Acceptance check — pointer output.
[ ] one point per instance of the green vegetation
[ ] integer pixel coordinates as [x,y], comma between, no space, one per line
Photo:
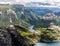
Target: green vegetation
[5,7]
[50,35]
[19,15]
[31,36]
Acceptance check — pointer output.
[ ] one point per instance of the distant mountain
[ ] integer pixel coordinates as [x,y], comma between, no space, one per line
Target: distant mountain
[40,11]
[57,13]
[36,4]
[42,5]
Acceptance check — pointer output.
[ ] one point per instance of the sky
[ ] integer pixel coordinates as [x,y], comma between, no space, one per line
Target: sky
[38,0]
[53,2]
[21,1]
[30,0]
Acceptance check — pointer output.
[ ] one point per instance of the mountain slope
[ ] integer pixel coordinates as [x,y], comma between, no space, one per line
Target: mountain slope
[17,14]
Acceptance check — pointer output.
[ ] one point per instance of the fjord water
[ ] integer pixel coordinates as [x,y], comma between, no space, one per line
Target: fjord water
[48,44]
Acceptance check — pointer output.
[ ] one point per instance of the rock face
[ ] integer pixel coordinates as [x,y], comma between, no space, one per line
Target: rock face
[18,40]
[5,39]
[50,16]
[12,36]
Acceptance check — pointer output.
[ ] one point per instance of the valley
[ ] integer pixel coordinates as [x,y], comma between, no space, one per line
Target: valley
[25,26]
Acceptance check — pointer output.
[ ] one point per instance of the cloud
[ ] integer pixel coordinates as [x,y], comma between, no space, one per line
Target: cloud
[49,1]
[7,0]
[46,3]
[30,1]
[52,2]
[40,0]
[12,1]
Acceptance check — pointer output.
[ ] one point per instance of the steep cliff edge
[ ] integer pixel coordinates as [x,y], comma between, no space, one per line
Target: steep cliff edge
[5,38]
[18,36]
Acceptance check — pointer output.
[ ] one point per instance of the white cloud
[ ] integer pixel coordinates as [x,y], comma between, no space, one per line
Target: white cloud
[30,0]
[49,1]
[52,2]
[7,0]
[39,0]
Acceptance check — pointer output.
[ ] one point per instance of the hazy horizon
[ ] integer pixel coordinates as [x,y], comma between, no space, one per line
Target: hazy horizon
[53,3]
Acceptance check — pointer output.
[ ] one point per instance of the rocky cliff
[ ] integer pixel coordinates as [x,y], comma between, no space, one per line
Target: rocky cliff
[17,36]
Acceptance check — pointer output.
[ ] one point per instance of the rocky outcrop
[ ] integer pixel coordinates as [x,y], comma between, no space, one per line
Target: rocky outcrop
[12,36]
[5,38]
[51,34]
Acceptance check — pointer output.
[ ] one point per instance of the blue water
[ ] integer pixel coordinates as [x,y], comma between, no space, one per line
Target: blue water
[48,44]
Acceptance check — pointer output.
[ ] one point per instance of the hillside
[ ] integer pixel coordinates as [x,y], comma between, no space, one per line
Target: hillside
[16,20]
[40,11]
[17,14]
[18,36]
